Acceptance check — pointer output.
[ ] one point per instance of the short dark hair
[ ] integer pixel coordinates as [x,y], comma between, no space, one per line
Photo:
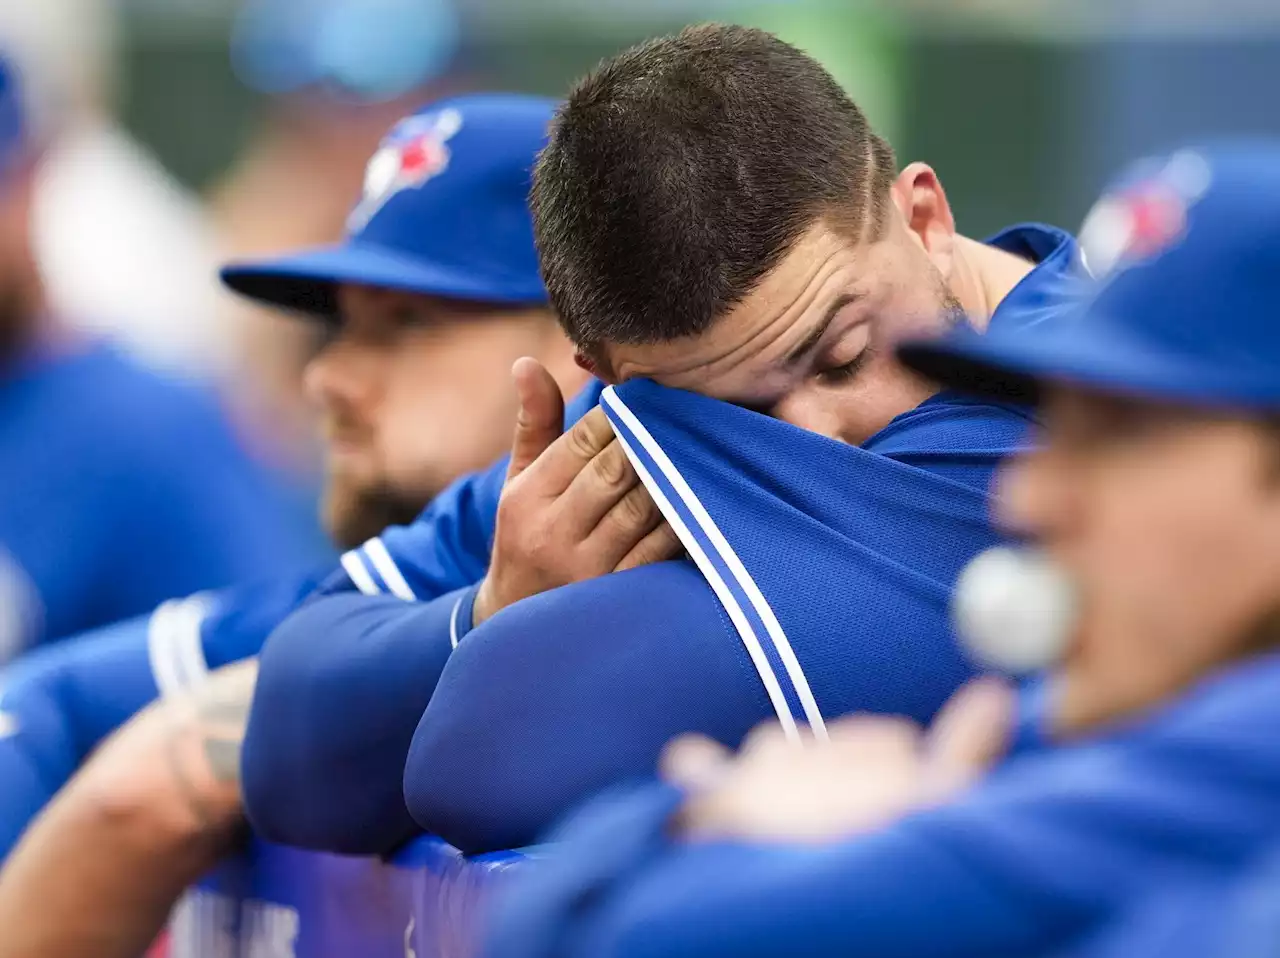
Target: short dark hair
[681,171]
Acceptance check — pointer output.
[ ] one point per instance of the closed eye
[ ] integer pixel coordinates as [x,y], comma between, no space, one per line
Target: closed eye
[837,375]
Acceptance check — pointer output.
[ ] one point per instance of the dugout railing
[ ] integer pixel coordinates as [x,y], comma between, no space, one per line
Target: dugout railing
[426,901]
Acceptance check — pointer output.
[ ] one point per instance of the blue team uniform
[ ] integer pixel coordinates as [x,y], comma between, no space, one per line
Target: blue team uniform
[122,489]
[537,707]
[1040,857]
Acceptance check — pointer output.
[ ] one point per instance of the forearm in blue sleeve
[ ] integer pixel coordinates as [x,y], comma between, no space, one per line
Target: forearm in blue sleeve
[57,704]
[341,686]
[618,886]
[61,701]
[570,691]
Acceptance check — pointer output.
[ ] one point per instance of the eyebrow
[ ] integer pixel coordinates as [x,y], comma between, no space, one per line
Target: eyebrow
[814,336]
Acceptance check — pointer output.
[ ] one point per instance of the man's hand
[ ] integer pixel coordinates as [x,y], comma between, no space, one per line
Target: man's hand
[572,509]
[874,770]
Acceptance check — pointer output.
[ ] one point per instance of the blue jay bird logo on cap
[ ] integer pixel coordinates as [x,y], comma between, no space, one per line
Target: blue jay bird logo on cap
[1145,216]
[415,151]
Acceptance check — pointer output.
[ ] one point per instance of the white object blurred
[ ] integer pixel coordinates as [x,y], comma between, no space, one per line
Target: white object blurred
[122,248]
[1015,609]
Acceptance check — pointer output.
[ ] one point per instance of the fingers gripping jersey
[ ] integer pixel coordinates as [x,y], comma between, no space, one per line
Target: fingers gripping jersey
[59,702]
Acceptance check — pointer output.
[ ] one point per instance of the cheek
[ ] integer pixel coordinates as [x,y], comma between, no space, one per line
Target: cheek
[857,410]
[1165,577]
[440,420]
[883,392]
[915,299]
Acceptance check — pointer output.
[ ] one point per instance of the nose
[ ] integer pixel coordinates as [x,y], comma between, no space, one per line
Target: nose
[340,374]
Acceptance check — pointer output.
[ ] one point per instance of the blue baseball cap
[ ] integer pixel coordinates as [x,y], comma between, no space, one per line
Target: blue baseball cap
[1185,250]
[445,212]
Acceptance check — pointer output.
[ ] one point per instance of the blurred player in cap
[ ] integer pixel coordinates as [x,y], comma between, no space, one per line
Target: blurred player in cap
[733,248]
[432,297]
[121,488]
[1147,756]
[428,300]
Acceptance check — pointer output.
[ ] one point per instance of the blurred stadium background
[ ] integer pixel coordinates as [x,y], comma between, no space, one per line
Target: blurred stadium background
[194,130]
[187,132]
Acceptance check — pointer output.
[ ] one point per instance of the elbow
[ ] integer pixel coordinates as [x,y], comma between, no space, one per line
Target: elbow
[468,804]
[266,793]
[287,810]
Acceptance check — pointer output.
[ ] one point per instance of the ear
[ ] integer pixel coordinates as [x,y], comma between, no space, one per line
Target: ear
[923,208]
[569,366]
[596,368]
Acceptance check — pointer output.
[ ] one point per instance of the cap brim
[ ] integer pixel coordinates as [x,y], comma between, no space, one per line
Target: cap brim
[307,282]
[1076,351]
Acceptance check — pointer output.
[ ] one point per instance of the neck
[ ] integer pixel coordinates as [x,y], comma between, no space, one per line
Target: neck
[983,277]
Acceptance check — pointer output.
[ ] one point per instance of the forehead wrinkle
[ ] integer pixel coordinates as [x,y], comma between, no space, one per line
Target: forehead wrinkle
[756,342]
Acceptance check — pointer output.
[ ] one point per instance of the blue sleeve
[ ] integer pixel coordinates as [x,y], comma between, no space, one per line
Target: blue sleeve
[341,686]
[575,689]
[58,703]
[572,690]
[616,886]
[887,896]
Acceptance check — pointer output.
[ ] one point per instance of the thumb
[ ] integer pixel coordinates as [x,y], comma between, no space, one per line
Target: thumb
[540,419]
[969,734]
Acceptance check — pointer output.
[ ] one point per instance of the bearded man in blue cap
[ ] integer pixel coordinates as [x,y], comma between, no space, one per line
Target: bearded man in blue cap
[1143,763]
[428,300]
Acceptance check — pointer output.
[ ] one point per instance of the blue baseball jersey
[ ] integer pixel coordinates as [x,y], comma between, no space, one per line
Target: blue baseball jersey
[122,489]
[1040,858]
[558,695]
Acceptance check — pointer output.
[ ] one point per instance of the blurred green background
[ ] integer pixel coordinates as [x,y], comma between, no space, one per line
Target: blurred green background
[1022,107]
